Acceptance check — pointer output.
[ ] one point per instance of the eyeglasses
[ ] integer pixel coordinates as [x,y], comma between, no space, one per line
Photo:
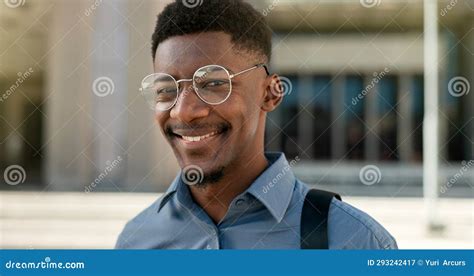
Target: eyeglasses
[212,84]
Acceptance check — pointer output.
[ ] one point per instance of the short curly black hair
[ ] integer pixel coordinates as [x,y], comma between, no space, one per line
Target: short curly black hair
[247,27]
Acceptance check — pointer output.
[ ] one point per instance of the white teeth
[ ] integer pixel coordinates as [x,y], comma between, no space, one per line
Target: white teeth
[198,138]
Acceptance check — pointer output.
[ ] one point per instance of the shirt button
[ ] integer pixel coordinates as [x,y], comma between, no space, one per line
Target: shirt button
[239,202]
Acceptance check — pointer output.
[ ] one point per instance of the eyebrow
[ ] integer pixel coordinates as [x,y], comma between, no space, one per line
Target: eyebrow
[227,68]
[230,71]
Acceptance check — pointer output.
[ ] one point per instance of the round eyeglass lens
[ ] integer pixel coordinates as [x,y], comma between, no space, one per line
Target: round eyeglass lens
[212,84]
[160,91]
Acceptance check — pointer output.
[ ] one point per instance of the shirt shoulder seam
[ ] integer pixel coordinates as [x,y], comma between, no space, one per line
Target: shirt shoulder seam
[361,222]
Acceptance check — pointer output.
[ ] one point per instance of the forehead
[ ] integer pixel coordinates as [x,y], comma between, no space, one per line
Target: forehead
[183,54]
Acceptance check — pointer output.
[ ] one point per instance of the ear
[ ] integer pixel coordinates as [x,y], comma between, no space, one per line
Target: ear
[273,93]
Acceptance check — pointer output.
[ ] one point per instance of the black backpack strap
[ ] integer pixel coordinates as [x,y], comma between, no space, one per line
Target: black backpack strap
[314,218]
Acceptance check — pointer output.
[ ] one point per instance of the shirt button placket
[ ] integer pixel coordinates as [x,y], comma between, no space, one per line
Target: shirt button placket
[214,241]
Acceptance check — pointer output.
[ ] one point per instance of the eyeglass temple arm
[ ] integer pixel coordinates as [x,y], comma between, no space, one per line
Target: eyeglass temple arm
[251,68]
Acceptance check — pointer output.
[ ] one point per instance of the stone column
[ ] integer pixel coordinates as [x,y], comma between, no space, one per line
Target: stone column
[97,122]
[67,98]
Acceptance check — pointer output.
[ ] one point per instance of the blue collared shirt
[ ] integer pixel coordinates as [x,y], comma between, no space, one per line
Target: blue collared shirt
[266,216]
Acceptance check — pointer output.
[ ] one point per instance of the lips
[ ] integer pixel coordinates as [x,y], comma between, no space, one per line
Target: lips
[196,135]
[200,137]
[211,139]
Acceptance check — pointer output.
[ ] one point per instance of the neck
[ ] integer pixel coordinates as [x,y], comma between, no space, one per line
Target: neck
[216,198]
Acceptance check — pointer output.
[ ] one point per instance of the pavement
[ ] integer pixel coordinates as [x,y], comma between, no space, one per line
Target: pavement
[54,220]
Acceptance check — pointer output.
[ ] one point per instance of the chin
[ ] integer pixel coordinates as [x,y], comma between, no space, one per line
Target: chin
[207,165]
[211,168]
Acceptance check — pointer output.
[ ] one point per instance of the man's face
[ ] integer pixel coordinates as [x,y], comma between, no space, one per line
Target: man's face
[233,130]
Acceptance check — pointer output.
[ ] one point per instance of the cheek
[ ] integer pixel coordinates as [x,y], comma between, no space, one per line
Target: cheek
[160,120]
[245,111]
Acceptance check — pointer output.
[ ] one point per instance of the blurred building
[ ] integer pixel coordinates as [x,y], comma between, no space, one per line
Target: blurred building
[72,117]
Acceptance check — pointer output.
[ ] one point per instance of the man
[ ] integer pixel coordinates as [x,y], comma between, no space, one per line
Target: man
[211,92]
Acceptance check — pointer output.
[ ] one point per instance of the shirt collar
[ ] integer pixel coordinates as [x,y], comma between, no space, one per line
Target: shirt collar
[179,188]
[171,190]
[273,188]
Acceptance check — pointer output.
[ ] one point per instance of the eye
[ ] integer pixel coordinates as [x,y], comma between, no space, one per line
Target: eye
[165,90]
[165,94]
[214,83]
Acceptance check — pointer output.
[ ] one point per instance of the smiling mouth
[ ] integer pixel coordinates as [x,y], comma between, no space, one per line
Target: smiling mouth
[199,138]
[197,135]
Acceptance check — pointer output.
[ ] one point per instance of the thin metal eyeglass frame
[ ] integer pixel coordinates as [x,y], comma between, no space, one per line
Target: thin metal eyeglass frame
[231,76]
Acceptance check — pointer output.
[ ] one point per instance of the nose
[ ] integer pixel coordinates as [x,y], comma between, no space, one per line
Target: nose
[188,107]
